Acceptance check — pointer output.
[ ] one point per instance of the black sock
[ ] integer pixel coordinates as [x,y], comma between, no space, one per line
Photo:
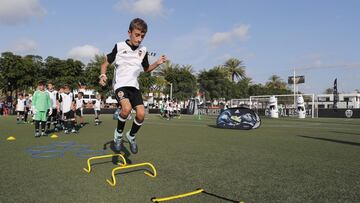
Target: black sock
[135,127]
[68,125]
[17,119]
[43,126]
[121,124]
[37,126]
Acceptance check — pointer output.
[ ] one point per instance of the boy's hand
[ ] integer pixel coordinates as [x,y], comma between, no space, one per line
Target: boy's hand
[103,80]
[34,110]
[161,60]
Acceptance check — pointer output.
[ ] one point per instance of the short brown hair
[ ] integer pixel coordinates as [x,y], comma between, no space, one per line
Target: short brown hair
[139,24]
[41,83]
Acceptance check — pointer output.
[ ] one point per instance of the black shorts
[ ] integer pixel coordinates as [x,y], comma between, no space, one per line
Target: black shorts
[131,93]
[69,115]
[53,114]
[79,112]
[20,112]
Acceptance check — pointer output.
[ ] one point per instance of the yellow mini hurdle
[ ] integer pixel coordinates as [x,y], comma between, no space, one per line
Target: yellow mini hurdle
[198,191]
[88,170]
[113,181]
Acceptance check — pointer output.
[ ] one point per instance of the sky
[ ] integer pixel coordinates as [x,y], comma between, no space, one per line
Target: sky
[317,38]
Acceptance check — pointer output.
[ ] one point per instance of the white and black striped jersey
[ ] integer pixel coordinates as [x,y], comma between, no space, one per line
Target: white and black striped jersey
[28,103]
[129,62]
[80,103]
[66,101]
[20,105]
[52,94]
[57,99]
[97,104]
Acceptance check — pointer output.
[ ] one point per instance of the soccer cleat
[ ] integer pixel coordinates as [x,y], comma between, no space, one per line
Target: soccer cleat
[117,140]
[37,134]
[132,142]
[66,132]
[73,131]
[43,134]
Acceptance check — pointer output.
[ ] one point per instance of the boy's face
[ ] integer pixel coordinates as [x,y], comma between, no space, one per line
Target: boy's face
[41,87]
[50,86]
[66,90]
[136,37]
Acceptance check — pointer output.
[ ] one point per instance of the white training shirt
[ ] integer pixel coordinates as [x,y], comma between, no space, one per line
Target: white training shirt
[80,103]
[97,105]
[52,94]
[28,103]
[128,64]
[20,106]
[66,101]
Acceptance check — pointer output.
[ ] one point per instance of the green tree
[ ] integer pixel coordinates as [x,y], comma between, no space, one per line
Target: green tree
[276,82]
[92,72]
[215,84]
[34,66]
[146,82]
[235,69]
[257,89]
[181,78]
[276,85]
[329,91]
[12,71]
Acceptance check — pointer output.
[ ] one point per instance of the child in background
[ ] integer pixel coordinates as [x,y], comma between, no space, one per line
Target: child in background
[41,105]
[20,108]
[27,107]
[1,106]
[67,104]
[97,108]
[60,121]
[52,119]
[80,102]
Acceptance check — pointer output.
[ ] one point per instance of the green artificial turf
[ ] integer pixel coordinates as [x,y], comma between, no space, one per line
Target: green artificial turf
[285,160]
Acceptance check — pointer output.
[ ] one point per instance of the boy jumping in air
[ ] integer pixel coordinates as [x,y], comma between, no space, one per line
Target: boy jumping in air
[130,58]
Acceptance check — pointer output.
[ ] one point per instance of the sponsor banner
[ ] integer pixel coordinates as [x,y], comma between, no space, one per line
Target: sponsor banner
[298,79]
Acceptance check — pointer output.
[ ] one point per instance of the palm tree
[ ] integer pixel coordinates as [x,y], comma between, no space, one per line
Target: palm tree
[277,82]
[166,69]
[329,91]
[188,68]
[235,69]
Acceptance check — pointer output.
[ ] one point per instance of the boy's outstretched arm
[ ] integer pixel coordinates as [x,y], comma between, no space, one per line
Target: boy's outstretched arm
[158,62]
[102,76]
